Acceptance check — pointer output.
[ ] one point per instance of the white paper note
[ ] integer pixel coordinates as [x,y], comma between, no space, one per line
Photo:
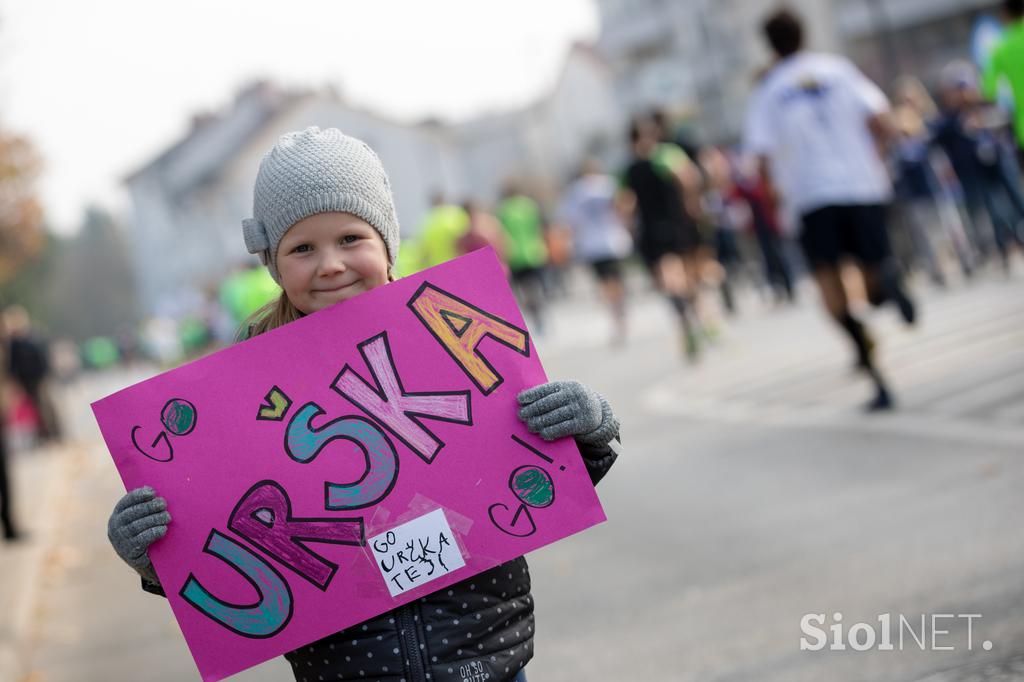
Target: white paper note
[416,552]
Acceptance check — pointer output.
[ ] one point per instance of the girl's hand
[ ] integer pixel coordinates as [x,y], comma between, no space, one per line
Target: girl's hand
[139,519]
[568,408]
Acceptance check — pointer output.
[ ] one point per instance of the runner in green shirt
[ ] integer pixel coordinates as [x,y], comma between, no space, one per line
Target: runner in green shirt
[522,221]
[526,253]
[439,236]
[1007,62]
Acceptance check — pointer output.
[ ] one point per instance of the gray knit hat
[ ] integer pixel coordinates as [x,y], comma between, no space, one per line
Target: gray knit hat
[318,171]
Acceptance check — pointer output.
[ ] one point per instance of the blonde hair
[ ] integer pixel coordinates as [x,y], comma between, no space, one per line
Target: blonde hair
[271,316]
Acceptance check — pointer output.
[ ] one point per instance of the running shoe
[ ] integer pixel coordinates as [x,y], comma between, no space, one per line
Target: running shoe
[691,347]
[882,402]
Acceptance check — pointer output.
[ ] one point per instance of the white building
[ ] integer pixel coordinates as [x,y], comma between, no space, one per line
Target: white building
[188,202]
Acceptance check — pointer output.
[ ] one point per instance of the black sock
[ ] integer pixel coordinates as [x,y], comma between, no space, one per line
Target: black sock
[727,299]
[679,305]
[893,290]
[859,334]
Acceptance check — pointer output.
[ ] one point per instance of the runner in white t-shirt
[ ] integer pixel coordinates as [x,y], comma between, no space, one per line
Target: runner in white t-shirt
[599,236]
[816,121]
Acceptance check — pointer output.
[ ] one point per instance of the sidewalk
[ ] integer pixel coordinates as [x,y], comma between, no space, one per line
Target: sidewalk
[39,479]
[44,482]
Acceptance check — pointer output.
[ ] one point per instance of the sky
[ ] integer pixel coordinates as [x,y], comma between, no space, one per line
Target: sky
[101,87]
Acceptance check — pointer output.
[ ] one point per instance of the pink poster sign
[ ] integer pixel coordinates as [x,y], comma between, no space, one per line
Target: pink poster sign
[302,465]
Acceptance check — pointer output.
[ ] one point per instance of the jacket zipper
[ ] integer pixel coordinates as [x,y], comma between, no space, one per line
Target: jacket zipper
[410,638]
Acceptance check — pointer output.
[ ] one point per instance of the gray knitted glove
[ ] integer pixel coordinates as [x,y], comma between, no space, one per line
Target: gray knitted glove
[139,519]
[568,408]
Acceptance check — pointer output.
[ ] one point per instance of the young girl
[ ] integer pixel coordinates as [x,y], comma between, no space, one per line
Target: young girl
[325,227]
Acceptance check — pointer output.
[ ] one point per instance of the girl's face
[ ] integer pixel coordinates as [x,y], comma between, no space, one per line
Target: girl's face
[330,257]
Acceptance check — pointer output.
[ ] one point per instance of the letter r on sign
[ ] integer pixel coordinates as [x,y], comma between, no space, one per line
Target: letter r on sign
[264,517]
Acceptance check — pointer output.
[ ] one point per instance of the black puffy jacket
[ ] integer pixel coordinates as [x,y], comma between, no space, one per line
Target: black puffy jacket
[479,629]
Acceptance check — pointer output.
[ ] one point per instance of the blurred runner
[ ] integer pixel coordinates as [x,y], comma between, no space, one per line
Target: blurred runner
[815,122]
[10,529]
[750,187]
[599,239]
[924,173]
[484,230]
[558,241]
[966,132]
[29,366]
[674,160]
[697,229]
[721,215]
[652,194]
[1006,64]
[442,227]
[410,258]
[916,186]
[241,294]
[527,253]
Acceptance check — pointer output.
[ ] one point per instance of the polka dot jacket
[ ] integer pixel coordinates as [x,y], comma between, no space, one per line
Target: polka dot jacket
[480,629]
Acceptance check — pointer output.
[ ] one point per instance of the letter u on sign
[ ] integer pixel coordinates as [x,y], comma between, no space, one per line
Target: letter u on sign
[263,618]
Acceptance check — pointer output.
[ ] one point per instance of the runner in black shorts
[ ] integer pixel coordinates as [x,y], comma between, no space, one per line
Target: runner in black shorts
[817,124]
[655,196]
[600,239]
